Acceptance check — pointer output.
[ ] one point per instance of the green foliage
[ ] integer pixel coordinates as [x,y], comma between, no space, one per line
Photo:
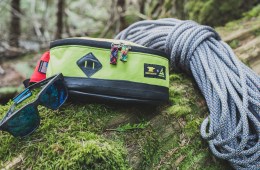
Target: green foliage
[216,12]
[254,12]
[256,32]
[230,26]
[8,90]
[82,18]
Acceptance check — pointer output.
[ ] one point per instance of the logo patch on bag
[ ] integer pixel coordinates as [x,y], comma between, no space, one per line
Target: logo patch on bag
[89,64]
[154,71]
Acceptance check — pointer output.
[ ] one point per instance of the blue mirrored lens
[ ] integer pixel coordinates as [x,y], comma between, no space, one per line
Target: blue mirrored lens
[54,96]
[23,122]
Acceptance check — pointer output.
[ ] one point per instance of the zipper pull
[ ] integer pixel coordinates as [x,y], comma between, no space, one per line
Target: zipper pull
[124,52]
[114,53]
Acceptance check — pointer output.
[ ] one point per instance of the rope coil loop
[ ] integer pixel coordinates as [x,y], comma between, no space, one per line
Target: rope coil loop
[231,89]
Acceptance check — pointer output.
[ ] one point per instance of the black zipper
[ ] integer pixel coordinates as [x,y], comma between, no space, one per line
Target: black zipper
[103,44]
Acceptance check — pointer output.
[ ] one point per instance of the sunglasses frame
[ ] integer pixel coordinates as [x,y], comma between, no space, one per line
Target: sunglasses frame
[27,93]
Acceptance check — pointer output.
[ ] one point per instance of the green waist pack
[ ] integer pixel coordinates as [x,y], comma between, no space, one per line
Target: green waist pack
[110,70]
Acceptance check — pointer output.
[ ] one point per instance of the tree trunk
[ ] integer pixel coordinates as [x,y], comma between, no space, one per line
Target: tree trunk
[15,29]
[156,11]
[67,26]
[59,16]
[179,5]
[121,8]
[142,6]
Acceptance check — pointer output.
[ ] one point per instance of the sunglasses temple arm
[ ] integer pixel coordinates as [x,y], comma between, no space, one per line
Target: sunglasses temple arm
[22,96]
[41,83]
[27,92]
[9,112]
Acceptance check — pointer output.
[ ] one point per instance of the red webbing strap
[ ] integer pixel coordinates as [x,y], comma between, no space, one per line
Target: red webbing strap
[39,73]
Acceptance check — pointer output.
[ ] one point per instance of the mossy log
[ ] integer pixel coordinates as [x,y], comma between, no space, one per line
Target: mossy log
[98,136]
[244,37]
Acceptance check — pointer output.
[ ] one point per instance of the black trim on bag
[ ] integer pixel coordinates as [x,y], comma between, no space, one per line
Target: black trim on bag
[103,44]
[118,88]
[92,97]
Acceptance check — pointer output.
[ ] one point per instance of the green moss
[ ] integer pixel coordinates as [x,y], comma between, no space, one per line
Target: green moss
[76,136]
[150,150]
[66,139]
[83,150]
[234,44]
[184,148]
[179,110]
[128,127]
[174,77]
[192,127]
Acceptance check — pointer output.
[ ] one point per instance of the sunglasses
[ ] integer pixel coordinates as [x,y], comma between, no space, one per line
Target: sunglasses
[26,120]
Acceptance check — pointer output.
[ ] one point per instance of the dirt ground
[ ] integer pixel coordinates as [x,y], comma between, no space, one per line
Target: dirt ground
[9,76]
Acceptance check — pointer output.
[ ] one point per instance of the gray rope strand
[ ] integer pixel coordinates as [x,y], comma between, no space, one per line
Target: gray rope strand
[231,89]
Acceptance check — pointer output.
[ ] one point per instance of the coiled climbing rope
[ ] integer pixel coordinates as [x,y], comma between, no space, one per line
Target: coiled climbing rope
[231,89]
